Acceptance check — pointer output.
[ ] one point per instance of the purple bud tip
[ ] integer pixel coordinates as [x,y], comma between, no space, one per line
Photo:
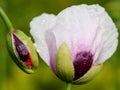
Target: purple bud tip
[22,51]
[82,63]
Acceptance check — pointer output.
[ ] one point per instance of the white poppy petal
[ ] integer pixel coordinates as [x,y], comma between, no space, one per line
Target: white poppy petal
[106,41]
[77,27]
[51,44]
[38,27]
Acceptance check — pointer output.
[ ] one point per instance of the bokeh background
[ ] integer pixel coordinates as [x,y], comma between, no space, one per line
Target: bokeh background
[21,13]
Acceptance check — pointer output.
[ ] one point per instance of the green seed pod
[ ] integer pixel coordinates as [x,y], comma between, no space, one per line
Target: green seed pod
[22,51]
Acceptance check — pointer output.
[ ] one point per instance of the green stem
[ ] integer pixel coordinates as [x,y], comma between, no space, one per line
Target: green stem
[68,86]
[6,20]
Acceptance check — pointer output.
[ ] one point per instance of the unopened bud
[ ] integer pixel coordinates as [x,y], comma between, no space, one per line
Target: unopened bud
[22,51]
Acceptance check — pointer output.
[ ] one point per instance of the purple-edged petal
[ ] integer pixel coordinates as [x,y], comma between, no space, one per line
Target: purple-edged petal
[38,27]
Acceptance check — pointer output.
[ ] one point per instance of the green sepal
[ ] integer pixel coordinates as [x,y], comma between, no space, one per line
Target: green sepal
[64,65]
[28,43]
[89,75]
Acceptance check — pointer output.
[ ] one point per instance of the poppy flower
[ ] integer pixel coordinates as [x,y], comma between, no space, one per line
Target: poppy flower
[76,42]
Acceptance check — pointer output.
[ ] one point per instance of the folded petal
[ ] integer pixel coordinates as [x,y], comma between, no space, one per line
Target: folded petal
[38,27]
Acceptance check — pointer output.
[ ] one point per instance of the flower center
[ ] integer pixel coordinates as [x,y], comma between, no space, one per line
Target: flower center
[82,63]
[22,52]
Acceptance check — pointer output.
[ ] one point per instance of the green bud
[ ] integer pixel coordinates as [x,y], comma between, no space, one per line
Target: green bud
[22,51]
[89,75]
[64,66]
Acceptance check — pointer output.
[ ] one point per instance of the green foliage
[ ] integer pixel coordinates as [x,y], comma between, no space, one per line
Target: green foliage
[20,13]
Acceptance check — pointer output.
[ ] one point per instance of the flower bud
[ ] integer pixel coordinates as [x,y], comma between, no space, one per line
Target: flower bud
[22,51]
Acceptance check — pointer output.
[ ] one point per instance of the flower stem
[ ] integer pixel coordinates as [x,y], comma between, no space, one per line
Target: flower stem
[68,86]
[6,20]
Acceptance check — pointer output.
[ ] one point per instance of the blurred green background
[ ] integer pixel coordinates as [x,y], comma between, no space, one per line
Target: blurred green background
[21,13]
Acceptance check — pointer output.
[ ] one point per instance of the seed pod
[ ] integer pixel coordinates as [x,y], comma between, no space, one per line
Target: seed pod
[22,51]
